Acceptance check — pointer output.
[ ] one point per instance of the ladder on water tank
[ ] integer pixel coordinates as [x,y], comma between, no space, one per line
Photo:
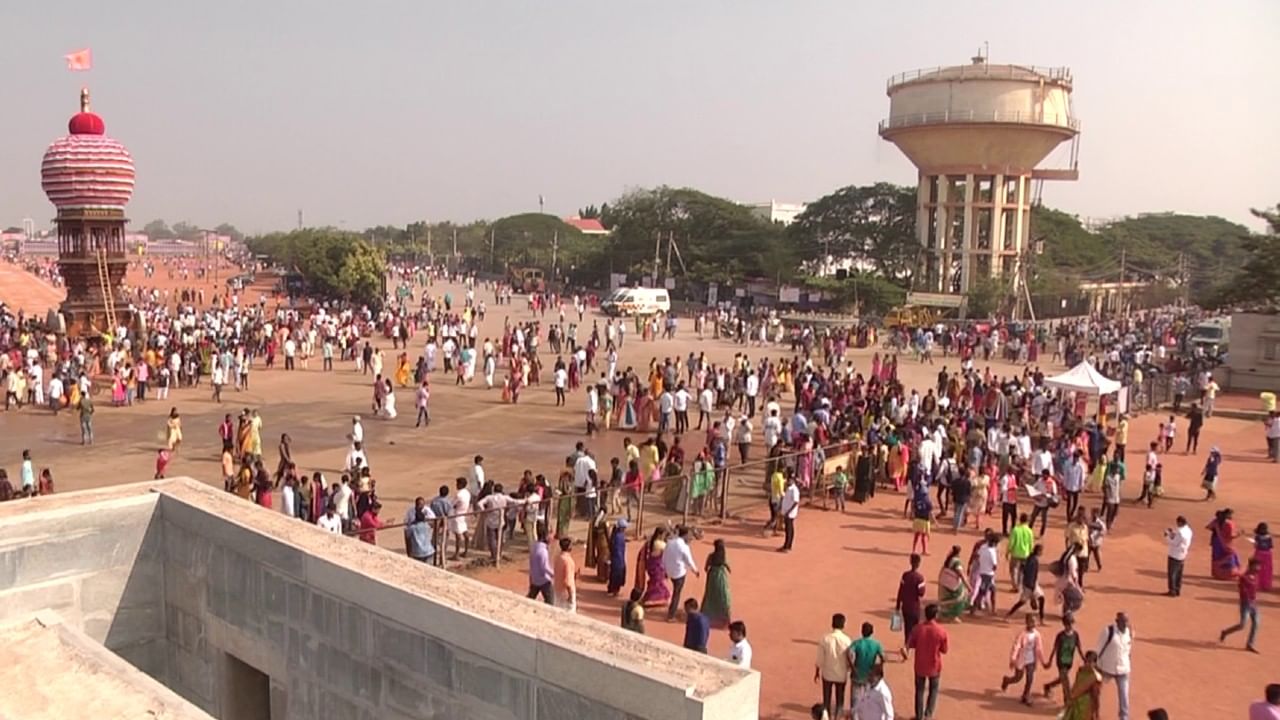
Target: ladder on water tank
[108,295]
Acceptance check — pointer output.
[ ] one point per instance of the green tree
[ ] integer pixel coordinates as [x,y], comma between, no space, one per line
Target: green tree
[543,241]
[1067,244]
[157,229]
[987,297]
[335,265]
[863,293]
[1210,248]
[1257,283]
[186,231]
[873,225]
[229,230]
[715,240]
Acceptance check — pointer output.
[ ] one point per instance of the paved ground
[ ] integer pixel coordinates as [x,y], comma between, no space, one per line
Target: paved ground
[844,563]
[21,289]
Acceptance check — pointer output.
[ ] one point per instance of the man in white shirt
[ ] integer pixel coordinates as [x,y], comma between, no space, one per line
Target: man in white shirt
[593,408]
[789,509]
[666,409]
[1271,424]
[55,393]
[476,476]
[706,403]
[561,380]
[1041,460]
[458,519]
[928,455]
[357,430]
[1179,539]
[356,458]
[677,560]
[342,502]
[740,650]
[753,389]
[682,398]
[329,521]
[1114,647]
[582,468]
[876,701]
[772,429]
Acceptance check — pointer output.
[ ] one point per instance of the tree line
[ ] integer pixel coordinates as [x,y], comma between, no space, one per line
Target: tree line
[695,239]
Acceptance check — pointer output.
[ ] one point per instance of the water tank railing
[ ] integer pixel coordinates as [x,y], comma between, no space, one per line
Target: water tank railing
[979,116]
[983,70]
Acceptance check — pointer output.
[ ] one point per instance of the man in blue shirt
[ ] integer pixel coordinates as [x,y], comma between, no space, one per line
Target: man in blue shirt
[697,627]
[540,571]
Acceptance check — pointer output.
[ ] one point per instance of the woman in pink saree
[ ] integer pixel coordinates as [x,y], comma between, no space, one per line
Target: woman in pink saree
[651,576]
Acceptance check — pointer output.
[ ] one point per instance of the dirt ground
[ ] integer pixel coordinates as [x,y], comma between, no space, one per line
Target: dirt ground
[842,563]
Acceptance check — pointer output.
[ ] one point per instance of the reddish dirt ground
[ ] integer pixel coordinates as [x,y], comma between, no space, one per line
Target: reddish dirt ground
[842,563]
[850,563]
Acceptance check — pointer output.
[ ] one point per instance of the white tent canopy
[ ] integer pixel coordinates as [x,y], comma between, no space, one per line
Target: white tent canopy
[1084,378]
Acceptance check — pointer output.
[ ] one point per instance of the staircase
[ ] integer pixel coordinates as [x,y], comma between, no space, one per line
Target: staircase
[108,294]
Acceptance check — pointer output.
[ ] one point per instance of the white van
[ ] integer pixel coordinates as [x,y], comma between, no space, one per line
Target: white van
[637,301]
[1214,335]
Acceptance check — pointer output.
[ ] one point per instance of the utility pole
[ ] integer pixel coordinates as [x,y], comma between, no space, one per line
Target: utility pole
[1120,295]
[1183,278]
[657,249]
[671,240]
[555,248]
[491,231]
[299,218]
[431,258]
[455,245]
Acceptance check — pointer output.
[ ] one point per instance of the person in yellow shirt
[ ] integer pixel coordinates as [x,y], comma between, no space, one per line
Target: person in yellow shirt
[1122,436]
[777,486]
[649,462]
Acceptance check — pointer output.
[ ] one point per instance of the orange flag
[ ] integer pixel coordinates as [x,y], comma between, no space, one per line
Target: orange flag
[80,60]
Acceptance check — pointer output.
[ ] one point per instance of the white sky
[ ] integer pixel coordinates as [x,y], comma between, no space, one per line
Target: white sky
[391,111]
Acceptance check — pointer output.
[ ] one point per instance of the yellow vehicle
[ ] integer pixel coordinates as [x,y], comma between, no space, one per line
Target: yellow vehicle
[526,279]
[911,316]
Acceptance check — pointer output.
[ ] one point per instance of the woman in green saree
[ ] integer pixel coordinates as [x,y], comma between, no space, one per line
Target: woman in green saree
[715,599]
[1083,703]
[953,591]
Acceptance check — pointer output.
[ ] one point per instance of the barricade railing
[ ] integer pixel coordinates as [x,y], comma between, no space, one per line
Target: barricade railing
[673,498]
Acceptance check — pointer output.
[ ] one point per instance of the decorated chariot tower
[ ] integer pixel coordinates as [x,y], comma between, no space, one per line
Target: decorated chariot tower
[88,176]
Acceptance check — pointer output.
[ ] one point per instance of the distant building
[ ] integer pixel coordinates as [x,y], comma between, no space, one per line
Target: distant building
[1253,360]
[774,211]
[587,226]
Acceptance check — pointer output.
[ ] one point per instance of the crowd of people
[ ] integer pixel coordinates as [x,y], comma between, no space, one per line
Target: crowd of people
[974,446]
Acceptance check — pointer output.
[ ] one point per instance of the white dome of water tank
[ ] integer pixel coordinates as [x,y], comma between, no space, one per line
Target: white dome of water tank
[999,117]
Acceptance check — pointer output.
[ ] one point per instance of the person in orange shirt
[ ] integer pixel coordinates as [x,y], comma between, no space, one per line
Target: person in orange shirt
[566,577]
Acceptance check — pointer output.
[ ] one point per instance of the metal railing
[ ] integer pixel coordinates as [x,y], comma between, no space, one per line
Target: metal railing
[981,70]
[979,116]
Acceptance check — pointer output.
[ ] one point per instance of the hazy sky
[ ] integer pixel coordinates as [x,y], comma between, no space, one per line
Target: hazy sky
[393,111]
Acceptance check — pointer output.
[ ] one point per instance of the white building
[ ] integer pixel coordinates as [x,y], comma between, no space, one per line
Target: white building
[774,211]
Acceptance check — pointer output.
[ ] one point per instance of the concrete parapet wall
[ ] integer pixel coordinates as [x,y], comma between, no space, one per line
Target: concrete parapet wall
[97,565]
[347,630]
[199,590]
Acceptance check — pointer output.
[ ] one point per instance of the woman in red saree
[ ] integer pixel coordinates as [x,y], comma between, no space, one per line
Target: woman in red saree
[644,411]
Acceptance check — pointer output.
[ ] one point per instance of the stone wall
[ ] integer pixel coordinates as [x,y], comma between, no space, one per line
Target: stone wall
[248,614]
[339,640]
[97,565]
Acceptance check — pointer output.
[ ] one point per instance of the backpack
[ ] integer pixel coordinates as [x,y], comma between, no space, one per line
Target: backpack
[920,506]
